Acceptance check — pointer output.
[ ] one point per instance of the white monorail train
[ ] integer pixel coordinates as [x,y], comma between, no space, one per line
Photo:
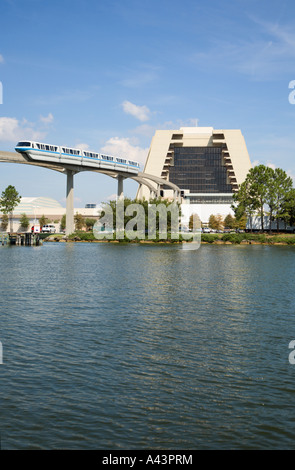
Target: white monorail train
[53,153]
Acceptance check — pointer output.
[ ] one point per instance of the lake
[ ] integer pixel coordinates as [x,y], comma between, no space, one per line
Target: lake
[110,346]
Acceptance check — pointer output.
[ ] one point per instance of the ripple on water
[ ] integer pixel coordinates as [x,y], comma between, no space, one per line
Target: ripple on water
[137,347]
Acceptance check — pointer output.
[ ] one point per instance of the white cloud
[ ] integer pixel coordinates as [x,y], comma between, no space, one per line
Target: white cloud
[145,130]
[191,122]
[12,130]
[111,197]
[122,147]
[1,59]
[139,112]
[82,146]
[47,119]
[271,165]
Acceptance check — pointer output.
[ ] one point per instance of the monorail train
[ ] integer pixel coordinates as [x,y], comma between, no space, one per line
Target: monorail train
[53,153]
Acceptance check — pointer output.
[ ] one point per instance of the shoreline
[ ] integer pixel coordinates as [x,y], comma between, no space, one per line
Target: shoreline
[176,242]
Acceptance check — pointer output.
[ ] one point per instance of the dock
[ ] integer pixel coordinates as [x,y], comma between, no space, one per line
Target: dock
[25,239]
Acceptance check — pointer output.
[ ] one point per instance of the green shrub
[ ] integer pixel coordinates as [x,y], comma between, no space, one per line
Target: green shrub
[233,237]
[259,237]
[84,236]
[209,237]
[282,239]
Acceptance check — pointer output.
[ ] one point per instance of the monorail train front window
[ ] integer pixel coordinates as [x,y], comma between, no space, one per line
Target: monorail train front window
[24,144]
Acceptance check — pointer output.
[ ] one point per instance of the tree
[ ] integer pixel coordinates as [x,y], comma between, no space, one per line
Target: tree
[194,222]
[253,193]
[288,208]
[79,221]
[212,222]
[229,221]
[243,203]
[216,222]
[4,222]
[24,222]
[43,221]
[242,222]
[219,220]
[63,222]
[259,178]
[280,184]
[89,223]
[10,198]
[156,217]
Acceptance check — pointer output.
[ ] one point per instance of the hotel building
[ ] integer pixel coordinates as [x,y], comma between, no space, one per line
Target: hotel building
[208,166]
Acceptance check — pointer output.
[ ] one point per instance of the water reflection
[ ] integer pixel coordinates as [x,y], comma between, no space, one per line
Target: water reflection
[111,346]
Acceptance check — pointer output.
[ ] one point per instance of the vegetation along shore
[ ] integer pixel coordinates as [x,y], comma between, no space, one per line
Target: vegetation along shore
[206,238]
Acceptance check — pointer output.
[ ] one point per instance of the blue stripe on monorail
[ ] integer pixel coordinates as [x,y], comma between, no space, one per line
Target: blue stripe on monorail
[36,150]
[77,156]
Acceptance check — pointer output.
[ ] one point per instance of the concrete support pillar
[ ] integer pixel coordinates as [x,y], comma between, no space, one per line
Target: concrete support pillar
[158,191]
[176,196]
[120,187]
[70,226]
[152,194]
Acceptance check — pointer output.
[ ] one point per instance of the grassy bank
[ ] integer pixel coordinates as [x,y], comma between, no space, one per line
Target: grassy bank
[206,238]
[248,238]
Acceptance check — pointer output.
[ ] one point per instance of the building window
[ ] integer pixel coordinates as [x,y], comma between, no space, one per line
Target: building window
[200,170]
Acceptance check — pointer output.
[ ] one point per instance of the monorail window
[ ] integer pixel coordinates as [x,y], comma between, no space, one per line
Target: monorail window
[24,144]
[71,151]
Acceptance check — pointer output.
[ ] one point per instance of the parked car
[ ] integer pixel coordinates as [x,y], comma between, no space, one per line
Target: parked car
[35,229]
[49,228]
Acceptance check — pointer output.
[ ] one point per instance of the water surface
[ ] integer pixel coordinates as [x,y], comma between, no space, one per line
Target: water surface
[147,347]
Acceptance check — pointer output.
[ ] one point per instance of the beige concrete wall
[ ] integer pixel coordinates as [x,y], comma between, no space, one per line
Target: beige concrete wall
[155,159]
[238,153]
[196,137]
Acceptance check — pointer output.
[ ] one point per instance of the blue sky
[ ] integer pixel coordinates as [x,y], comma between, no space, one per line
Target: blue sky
[107,74]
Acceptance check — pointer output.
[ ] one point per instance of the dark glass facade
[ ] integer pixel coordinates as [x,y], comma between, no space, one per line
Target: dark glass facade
[199,169]
[217,199]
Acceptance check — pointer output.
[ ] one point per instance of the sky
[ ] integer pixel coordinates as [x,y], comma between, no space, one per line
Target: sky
[105,75]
